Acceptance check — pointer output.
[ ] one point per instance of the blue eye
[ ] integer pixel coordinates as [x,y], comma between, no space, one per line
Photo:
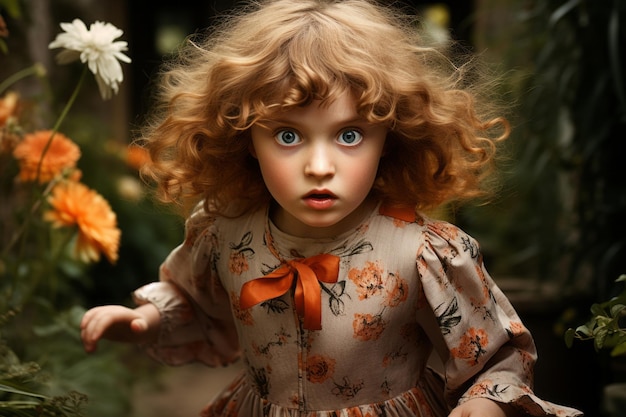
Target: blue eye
[287,137]
[350,137]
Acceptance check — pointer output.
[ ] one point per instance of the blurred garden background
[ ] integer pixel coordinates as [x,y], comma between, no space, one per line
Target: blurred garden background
[554,238]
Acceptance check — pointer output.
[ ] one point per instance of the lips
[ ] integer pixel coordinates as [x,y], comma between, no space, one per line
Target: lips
[320,199]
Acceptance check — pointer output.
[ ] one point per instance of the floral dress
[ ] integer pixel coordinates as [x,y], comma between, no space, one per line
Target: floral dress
[356,343]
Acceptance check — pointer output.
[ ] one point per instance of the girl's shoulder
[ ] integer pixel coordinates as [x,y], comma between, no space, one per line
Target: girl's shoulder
[202,218]
[403,214]
[437,233]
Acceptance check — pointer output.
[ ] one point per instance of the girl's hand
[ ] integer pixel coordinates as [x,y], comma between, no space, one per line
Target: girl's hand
[120,324]
[482,407]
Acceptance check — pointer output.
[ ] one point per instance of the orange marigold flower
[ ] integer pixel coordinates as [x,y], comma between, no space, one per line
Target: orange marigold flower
[61,154]
[136,156]
[74,203]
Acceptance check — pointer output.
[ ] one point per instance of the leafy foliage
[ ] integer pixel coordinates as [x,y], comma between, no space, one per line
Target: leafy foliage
[19,391]
[44,370]
[606,327]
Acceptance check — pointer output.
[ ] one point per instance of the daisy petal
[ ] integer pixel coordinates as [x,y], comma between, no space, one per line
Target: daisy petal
[97,48]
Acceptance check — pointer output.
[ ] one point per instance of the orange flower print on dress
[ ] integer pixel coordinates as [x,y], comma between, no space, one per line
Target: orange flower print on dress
[369,280]
[240,252]
[74,204]
[445,230]
[223,407]
[385,388]
[319,368]
[486,387]
[394,357]
[397,290]
[472,346]
[400,224]
[480,389]
[516,328]
[243,315]
[237,263]
[528,361]
[368,327]
[356,412]
[483,300]
[347,389]
[62,154]
[281,338]
[420,407]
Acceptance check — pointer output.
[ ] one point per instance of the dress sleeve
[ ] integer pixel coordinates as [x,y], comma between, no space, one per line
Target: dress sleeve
[196,320]
[486,350]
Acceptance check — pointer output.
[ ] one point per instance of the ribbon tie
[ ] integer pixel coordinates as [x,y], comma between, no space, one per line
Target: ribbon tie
[307,296]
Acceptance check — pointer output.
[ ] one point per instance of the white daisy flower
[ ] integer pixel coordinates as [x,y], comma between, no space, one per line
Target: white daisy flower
[97,48]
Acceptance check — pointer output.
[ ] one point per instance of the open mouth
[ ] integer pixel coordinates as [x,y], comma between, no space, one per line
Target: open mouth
[320,199]
[320,195]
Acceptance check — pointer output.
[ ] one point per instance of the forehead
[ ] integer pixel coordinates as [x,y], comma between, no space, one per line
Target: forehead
[343,107]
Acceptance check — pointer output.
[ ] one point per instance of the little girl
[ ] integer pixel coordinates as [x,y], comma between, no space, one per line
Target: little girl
[307,138]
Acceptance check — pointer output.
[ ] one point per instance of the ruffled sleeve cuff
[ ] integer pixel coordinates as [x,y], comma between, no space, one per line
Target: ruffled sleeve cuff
[520,397]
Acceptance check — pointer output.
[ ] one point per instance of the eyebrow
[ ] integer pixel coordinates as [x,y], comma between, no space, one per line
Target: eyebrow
[348,121]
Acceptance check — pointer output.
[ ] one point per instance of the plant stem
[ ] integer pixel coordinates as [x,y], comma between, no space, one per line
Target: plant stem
[41,197]
[26,72]
[60,120]
[50,271]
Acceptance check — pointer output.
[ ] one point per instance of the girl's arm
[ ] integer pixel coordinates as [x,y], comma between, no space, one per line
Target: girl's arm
[488,354]
[120,324]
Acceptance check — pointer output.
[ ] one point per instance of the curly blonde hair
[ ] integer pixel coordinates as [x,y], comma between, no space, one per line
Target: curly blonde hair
[279,54]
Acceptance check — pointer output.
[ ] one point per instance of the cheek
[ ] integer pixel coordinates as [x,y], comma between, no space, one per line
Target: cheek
[276,175]
[362,181]
[363,173]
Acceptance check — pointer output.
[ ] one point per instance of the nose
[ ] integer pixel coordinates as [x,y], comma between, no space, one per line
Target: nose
[320,163]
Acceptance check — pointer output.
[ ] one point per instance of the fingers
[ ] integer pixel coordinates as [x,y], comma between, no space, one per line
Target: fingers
[91,329]
[98,323]
[118,323]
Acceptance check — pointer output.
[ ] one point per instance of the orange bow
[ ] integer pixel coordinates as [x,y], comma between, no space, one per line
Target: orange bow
[307,296]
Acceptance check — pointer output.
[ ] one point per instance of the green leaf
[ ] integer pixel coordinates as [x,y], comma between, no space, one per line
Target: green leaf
[619,350]
[12,390]
[584,330]
[603,321]
[569,337]
[617,309]
[597,310]
[599,338]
